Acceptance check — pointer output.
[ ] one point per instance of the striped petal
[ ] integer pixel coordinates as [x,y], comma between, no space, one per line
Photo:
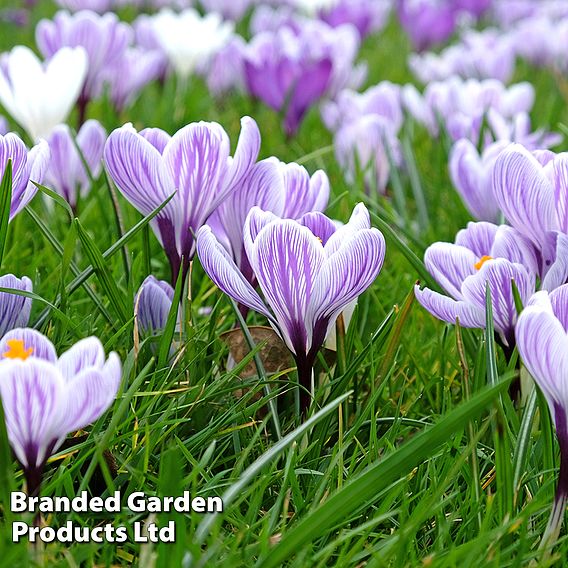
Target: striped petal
[287,258]
[41,347]
[346,274]
[14,309]
[85,354]
[32,392]
[221,268]
[450,310]
[524,193]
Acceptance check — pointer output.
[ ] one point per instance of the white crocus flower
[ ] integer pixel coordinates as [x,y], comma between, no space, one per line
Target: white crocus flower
[37,95]
[189,39]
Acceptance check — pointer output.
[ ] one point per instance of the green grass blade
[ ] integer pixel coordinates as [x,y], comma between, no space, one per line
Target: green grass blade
[5,203]
[360,490]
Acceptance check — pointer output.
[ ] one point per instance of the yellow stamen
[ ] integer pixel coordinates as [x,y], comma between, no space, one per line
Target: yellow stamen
[16,350]
[482,261]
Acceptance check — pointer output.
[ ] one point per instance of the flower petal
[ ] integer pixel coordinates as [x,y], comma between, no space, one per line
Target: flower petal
[524,193]
[41,347]
[221,268]
[85,354]
[448,309]
[31,393]
[287,258]
[14,309]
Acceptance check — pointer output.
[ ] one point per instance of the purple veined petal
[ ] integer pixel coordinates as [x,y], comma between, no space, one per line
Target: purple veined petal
[500,274]
[286,259]
[196,159]
[524,193]
[262,187]
[91,140]
[152,305]
[65,168]
[14,309]
[559,167]
[310,86]
[478,237]
[559,303]
[13,148]
[38,159]
[138,170]
[346,274]
[157,137]
[450,310]
[246,153]
[471,176]
[543,346]
[320,225]
[85,354]
[513,246]
[359,220]
[31,393]
[557,274]
[221,268]
[304,193]
[256,220]
[450,265]
[89,394]
[41,347]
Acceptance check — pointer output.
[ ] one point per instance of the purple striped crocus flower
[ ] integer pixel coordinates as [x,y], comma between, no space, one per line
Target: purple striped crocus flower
[66,173]
[308,271]
[129,74]
[27,166]
[152,305]
[482,254]
[287,190]
[531,190]
[368,16]
[104,38]
[46,397]
[194,164]
[14,308]
[542,340]
[472,176]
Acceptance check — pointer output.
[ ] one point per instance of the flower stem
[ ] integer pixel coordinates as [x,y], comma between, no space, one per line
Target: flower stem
[305,368]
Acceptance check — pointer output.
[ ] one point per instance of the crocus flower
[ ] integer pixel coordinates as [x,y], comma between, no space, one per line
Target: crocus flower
[66,173]
[229,9]
[291,69]
[152,305]
[147,39]
[532,192]
[368,145]
[472,176]
[287,190]
[368,16]
[189,39]
[56,87]
[46,397]
[104,38]
[542,341]
[27,167]
[489,54]
[150,166]
[308,271]
[482,254]
[14,309]
[226,71]
[129,74]
[427,22]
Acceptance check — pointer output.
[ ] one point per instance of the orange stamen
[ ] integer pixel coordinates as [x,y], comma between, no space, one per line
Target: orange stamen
[16,350]
[482,261]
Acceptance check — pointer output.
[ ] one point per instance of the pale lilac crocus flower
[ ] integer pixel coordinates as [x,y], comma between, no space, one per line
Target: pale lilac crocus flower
[542,340]
[66,173]
[194,165]
[308,271]
[46,397]
[28,166]
[483,254]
